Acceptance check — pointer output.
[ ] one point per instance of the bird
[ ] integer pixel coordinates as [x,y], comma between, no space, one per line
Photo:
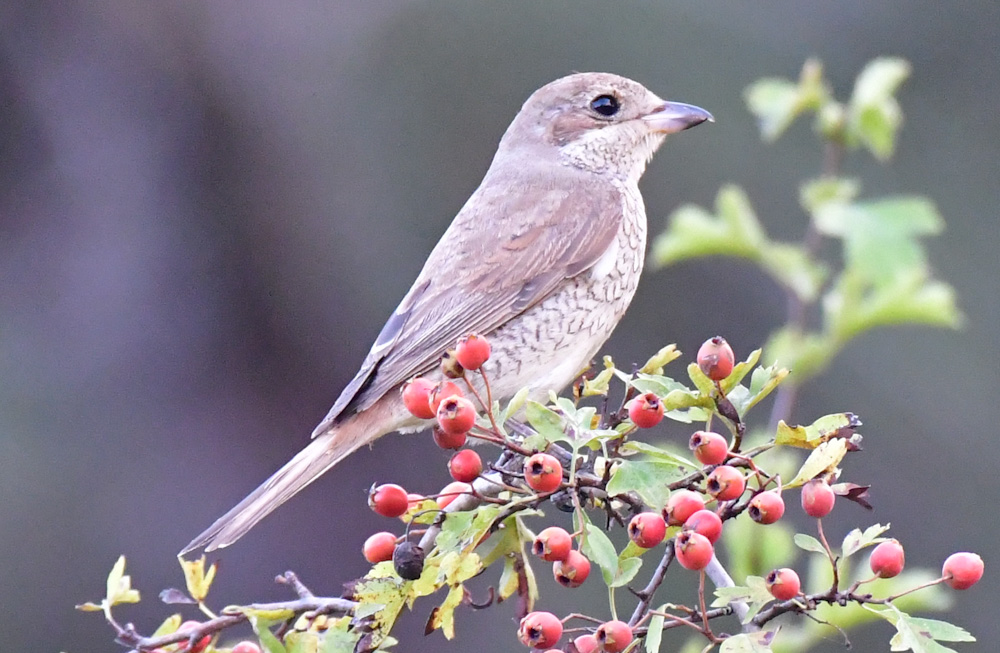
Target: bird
[543,260]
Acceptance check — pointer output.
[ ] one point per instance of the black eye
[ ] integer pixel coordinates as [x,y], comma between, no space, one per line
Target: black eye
[606,105]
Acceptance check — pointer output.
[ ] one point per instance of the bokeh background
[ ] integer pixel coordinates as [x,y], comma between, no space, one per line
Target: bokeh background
[207,210]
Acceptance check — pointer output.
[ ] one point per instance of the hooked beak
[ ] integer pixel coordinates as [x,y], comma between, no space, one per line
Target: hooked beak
[673,117]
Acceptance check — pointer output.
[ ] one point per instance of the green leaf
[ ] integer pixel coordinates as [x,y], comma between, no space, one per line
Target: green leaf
[647,478]
[775,104]
[654,633]
[881,237]
[735,230]
[763,381]
[809,543]
[755,594]
[525,567]
[599,549]
[627,569]
[854,306]
[918,634]
[794,268]
[546,422]
[660,385]
[759,642]
[693,232]
[340,638]
[267,639]
[665,455]
[873,114]
[823,458]
[857,540]
[818,193]
[740,370]
[515,404]
[805,354]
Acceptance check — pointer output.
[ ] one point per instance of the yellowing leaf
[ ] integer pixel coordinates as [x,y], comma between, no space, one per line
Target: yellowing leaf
[444,615]
[836,425]
[119,585]
[89,607]
[599,384]
[824,458]
[169,625]
[660,359]
[197,580]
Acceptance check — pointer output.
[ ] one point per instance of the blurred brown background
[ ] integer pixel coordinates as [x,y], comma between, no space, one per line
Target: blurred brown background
[207,210]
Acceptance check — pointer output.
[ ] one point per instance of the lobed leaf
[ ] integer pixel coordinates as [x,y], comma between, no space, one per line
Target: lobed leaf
[856,540]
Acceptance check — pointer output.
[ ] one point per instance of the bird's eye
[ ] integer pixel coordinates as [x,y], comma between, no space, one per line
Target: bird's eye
[606,105]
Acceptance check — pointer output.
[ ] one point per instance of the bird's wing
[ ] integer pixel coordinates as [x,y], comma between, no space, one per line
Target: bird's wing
[505,252]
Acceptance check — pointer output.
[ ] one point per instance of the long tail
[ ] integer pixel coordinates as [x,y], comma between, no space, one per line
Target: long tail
[309,464]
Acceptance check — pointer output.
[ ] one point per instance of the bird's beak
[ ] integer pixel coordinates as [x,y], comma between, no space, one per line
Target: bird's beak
[673,117]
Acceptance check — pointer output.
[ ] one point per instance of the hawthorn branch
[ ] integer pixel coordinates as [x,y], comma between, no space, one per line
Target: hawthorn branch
[312,605]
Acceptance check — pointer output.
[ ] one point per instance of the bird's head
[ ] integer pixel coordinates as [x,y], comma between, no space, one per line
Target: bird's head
[598,122]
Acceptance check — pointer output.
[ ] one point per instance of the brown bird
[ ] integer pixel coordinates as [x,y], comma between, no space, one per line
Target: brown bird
[543,260]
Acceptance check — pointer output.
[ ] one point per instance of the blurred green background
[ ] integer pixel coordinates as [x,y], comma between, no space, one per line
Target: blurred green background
[208,209]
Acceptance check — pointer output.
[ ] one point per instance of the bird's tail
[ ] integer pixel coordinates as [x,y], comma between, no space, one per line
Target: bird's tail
[309,464]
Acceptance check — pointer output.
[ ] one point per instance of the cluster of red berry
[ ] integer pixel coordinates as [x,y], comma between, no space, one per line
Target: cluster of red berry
[724,483]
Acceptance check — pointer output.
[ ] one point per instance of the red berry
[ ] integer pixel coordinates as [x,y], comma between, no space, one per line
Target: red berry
[817,498]
[783,583]
[198,646]
[726,483]
[246,647]
[887,559]
[441,391]
[962,570]
[681,505]
[614,636]
[705,522]
[416,397]
[388,500]
[451,492]
[543,472]
[449,440]
[766,507]
[708,447]
[693,550]
[456,415]
[379,547]
[472,351]
[586,644]
[540,630]
[647,529]
[715,358]
[465,466]
[572,571]
[645,411]
[552,544]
